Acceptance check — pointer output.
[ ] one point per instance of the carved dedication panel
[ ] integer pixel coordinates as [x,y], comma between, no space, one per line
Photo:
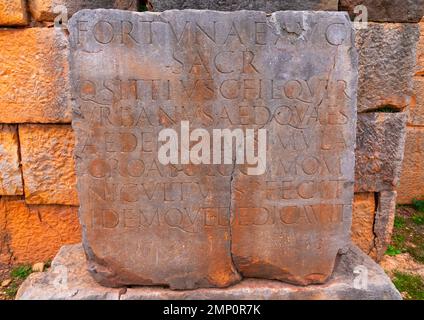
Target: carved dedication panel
[213,146]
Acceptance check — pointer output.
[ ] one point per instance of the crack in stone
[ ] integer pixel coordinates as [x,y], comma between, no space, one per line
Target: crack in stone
[231,216]
[122,292]
[374,222]
[19,148]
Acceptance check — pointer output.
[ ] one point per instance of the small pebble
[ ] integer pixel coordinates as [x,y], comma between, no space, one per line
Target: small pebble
[6,283]
[38,267]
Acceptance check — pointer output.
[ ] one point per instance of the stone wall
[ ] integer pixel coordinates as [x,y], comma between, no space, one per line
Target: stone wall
[387,64]
[412,179]
[38,199]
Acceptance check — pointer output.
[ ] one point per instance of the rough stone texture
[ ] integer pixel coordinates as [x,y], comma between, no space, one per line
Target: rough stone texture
[387,58]
[290,223]
[33,76]
[184,225]
[383,224]
[420,51]
[417,107]
[372,222]
[70,264]
[380,142]
[231,5]
[13,13]
[10,173]
[5,251]
[43,10]
[387,10]
[363,215]
[67,279]
[34,233]
[412,179]
[416,112]
[48,164]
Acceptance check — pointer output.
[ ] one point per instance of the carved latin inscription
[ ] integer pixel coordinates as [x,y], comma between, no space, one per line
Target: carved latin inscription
[187,223]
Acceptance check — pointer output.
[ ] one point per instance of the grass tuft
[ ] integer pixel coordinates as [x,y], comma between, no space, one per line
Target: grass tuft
[399,222]
[21,272]
[393,251]
[412,285]
[18,275]
[418,219]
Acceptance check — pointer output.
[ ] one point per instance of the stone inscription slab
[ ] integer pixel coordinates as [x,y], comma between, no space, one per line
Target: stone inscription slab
[256,114]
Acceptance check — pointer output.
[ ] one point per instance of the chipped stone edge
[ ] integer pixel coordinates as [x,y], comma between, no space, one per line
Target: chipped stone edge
[71,258]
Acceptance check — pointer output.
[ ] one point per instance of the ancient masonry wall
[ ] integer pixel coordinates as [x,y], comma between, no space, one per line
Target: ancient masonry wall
[38,198]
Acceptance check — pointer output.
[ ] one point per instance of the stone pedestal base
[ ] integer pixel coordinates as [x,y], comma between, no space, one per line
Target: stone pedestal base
[68,279]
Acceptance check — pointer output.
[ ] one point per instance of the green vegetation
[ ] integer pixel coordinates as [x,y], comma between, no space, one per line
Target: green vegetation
[408,236]
[408,232]
[399,222]
[399,241]
[392,251]
[418,205]
[417,251]
[418,219]
[21,272]
[17,275]
[411,285]
[11,290]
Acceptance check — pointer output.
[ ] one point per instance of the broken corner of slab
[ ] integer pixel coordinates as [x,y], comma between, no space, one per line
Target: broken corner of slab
[68,279]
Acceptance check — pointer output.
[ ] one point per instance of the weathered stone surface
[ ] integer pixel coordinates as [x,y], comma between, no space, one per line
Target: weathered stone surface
[420,51]
[13,13]
[67,279]
[372,222]
[387,58]
[387,10]
[416,117]
[412,179]
[70,264]
[230,5]
[363,216]
[5,251]
[33,76]
[184,225]
[380,142]
[289,223]
[34,233]
[416,112]
[48,164]
[383,224]
[10,173]
[43,10]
